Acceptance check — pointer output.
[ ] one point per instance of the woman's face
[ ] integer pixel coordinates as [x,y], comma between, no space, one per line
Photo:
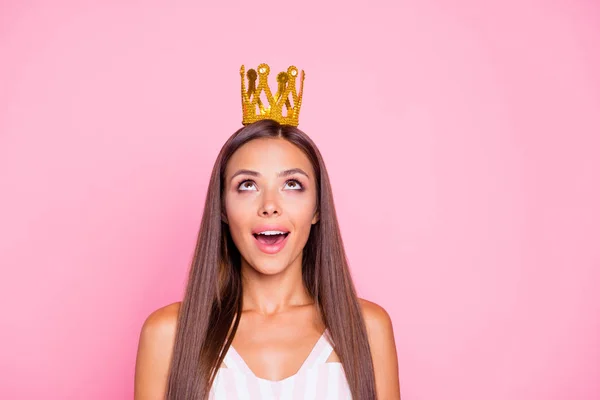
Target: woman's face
[270,203]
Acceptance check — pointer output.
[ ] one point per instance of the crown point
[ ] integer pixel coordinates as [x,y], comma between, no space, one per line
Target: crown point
[282,77]
[263,69]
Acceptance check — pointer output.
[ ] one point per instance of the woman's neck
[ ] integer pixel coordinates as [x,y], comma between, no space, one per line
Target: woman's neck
[272,294]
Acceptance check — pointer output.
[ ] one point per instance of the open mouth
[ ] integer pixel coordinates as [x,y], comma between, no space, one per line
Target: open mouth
[270,239]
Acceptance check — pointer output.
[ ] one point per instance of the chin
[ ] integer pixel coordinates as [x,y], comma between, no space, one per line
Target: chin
[267,264]
[269,268]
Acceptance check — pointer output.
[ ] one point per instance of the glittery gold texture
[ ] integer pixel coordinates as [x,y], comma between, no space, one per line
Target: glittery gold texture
[284,107]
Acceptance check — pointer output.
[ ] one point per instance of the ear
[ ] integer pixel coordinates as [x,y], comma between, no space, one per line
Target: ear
[315,218]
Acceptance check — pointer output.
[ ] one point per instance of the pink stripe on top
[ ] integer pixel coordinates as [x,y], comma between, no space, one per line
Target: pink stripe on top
[316,379]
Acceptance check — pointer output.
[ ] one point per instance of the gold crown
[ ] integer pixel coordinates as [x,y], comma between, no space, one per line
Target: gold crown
[279,108]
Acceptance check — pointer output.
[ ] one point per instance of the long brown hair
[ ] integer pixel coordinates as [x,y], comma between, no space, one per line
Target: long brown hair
[211,308]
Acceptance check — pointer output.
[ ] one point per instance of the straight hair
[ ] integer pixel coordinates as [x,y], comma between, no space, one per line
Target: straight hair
[212,305]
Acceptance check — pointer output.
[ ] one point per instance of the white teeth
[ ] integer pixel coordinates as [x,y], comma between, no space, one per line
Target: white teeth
[272,233]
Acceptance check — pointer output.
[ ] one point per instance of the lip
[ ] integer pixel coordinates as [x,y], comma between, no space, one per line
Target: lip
[262,228]
[270,248]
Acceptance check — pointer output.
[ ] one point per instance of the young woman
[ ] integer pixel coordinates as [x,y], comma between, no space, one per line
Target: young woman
[270,310]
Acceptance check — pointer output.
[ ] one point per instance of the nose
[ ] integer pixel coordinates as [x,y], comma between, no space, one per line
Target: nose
[269,206]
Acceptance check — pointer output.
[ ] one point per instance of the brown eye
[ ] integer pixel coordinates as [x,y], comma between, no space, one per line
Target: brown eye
[294,185]
[246,185]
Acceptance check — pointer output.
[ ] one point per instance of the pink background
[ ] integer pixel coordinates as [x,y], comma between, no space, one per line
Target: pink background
[462,141]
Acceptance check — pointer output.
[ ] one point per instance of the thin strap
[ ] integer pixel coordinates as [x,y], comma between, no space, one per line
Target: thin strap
[235,362]
[324,355]
[319,354]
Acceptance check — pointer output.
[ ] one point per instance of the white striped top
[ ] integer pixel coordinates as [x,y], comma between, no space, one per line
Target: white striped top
[316,379]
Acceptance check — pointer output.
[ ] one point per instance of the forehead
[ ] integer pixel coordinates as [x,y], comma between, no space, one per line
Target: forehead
[268,155]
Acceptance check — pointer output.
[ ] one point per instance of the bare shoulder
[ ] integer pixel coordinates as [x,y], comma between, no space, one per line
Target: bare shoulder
[162,321]
[379,327]
[383,349]
[376,317]
[155,348]
[158,331]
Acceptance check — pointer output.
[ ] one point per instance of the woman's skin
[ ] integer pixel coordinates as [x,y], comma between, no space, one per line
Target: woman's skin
[269,181]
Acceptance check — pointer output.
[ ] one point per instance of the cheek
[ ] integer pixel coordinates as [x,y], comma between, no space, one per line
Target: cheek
[301,212]
[238,214]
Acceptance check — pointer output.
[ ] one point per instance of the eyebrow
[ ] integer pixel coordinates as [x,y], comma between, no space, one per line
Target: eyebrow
[285,173]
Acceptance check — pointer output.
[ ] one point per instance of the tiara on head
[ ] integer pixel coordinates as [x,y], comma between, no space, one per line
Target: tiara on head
[283,108]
